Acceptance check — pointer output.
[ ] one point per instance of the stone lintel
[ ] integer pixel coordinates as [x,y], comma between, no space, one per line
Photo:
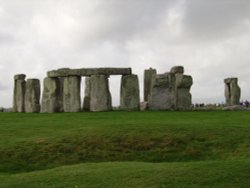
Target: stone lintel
[177,69]
[230,80]
[64,72]
[19,77]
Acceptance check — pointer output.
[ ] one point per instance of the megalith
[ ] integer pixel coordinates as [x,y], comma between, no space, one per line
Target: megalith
[163,92]
[51,95]
[71,94]
[171,91]
[183,95]
[32,95]
[149,74]
[19,93]
[130,96]
[100,97]
[86,99]
[232,91]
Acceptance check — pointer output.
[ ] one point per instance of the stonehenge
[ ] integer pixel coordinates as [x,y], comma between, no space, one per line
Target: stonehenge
[62,91]
[232,91]
[171,91]
[130,95]
[19,92]
[100,97]
[148,78]
[32,96]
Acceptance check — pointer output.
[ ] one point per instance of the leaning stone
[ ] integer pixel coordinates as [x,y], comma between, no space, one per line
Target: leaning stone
[19,93]
[130,97]
[32,96]
[50,98]
[100,97]
[149,74]
[71,94]
[177,69]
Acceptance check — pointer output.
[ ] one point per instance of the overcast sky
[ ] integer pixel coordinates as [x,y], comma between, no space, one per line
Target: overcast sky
[210,38]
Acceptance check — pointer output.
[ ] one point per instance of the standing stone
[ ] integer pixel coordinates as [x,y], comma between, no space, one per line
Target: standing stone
[130,97]
[100,97]
[19,93]
[51,95]
[232,91]
[71,94]
[32,95]
[149,74]
[86,100]
[163,92]
[183,95]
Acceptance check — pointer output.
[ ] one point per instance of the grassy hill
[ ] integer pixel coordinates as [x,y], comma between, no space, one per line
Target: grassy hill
[125,149]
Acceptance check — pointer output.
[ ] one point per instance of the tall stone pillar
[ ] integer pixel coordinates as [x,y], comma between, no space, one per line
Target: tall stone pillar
[100,97]
[86,100]
[32,95]
[183,95]
[19,93]
[51,95]
[130,96]
[149,74]
[232,91]
[163,92]
[71,94]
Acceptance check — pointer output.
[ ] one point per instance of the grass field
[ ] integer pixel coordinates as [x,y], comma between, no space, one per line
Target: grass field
[125,149]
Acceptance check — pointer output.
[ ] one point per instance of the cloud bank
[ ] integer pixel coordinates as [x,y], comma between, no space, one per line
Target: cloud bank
[209,38]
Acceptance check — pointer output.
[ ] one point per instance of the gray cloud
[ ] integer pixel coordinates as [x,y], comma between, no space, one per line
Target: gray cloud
[210,38]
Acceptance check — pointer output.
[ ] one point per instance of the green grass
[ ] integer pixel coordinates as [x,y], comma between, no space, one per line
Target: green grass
[135,174]
[108,147]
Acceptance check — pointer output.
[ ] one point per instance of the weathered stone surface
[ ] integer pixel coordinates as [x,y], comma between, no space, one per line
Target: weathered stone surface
[64,72]
[71,94]
[149,74]
[183,95]
[130,97]
[232,91]
[171,91]
[86,100]
[32,95]
[19,93]
[163,92]
[19,77]
[100,97]
[51,95]
[177,69]
[183,99]
[183,81]
[143,106]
